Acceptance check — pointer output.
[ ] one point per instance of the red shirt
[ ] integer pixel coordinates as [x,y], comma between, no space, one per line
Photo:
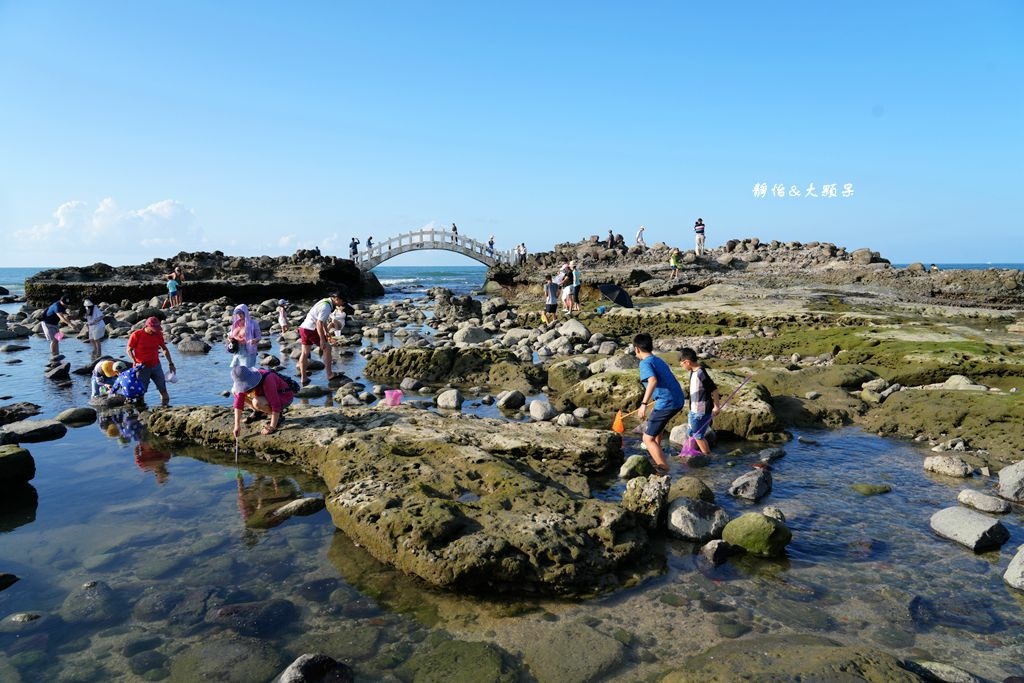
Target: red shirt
[146,346]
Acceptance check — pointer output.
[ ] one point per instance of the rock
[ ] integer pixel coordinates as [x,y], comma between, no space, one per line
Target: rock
[93,602]
[11,348]
[757,534]
[15,412]
[876,385]
[636,466]
[690,487]
[771,454]
[547,660]
[511,400]
[471,335]
[59,372]
[300,508]
[226,659]
[565,374]
[969,528]
[984,503]
[716,552]
[948,465]
[937,671]
[410,384]
[811,395]
[77,416]
[32,431]
[1014,574]
[459,661]
[871,397]
[261,618]
[646,497]
[791,657]
[528,531]
[773,512]
[960,383]
[450,399]
[542,411]
[696,520]
[574,331]
[753,485]
[193,346]
[316,668]
[16,467]
[871,489]
[567,420]
[607,348]
[1011,482]
[7,580]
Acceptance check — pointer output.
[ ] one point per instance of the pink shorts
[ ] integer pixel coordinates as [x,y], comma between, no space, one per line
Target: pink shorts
[309,337]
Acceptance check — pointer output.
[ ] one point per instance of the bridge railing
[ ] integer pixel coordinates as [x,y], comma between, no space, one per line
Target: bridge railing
[433,239]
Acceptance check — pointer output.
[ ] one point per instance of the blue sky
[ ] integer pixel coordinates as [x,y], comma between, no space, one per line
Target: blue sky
[135,130]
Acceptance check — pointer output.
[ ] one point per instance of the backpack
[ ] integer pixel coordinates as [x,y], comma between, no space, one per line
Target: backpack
[290,381]
[128,384]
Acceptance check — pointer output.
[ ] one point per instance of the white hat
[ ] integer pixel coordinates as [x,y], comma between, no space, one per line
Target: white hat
[87,303]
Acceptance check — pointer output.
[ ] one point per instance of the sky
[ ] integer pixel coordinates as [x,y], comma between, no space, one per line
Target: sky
[133,130]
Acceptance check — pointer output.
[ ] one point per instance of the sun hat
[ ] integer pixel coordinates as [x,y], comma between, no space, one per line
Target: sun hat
[120,366]
[245,379]
[153,322]
[107,367]
[87,303]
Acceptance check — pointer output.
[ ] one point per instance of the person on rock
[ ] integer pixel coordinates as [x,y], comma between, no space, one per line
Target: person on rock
[675,260]
[282,315]
[143,350]
[104,374]
[97,328]
[313,332]
[705,400]
[660,388]
[698,230]
[54,315]
[550,313]
[262,390]
[246,334]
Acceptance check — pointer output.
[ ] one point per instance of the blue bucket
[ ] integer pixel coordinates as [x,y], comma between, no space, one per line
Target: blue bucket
[601,310]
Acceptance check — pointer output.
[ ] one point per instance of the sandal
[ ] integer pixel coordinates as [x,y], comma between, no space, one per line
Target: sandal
[268,430]
[661,469]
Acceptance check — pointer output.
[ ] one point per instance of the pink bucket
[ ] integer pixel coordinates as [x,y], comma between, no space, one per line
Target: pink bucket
[59,336]
[393,397]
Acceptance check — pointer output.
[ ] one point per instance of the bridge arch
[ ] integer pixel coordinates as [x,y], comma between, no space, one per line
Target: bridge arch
[423,240]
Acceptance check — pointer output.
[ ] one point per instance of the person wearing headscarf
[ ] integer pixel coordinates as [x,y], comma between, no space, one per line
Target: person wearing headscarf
[97,328]
[262,390]
[246,332]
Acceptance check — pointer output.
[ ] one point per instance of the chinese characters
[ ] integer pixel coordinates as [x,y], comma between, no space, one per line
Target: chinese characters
[780,191]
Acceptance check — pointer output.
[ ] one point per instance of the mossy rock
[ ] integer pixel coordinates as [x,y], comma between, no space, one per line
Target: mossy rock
[691,487]
[459,661]
[987,421]
[758,534]
[436,365]
[795,657]
[871,489]
[232,659]
[508,376]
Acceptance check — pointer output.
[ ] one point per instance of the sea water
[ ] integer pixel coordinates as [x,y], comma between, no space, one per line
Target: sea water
[175,532]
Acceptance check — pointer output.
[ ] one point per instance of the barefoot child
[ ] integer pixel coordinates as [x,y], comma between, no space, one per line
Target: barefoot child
[282,315]
[662,388]
[705,400]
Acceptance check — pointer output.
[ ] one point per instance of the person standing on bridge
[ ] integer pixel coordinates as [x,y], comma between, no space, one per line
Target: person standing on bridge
[369,245]
[455,234]
[353,249]
[490,246]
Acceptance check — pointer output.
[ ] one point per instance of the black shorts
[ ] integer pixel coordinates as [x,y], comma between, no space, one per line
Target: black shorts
[658,420]
[550,308]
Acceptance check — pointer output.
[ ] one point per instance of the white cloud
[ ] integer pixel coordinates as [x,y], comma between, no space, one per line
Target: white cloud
[78,230]
[285,240]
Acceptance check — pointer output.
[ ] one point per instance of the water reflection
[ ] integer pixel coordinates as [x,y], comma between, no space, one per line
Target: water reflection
[125,426]
[17,507]
[262,497]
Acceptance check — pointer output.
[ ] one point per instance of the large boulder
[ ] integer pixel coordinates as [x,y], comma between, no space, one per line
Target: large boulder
[450,399]
[316,668]
[567,373]
[982,502]
[1011,482]
[757,534]
[401,479]
[15,412]
[646,497]
[969,528]
[696,520]
[575,331]
[470,334]
[948,465]
[468,365]
[81,415]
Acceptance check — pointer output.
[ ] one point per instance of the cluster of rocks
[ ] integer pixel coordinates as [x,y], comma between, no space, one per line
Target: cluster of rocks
[970,523]
[686,508]
[207,276]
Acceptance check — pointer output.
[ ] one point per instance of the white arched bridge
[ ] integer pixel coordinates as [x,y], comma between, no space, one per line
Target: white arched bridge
[422,240]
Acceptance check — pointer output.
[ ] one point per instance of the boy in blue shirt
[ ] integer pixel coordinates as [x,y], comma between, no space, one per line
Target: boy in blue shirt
[661,388]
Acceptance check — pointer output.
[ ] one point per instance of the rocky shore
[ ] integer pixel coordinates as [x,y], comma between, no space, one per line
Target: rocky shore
[208,276]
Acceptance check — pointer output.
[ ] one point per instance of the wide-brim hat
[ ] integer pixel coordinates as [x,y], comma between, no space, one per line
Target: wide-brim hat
[245,379]
[107,367]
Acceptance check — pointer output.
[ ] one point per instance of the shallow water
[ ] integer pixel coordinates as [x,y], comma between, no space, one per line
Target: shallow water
[175,533]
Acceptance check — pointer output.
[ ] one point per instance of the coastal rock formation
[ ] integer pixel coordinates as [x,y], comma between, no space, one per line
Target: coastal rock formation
[469,504]
[468,366]
[303,275]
